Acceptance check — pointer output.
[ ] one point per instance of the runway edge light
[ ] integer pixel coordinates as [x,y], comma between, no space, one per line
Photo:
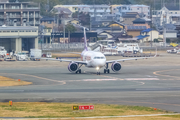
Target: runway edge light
[10,103]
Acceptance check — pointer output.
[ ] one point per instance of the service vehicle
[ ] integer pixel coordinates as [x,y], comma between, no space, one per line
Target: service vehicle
[110,47]
[35,54]
[21,56]
[3,52]
[49,55]
[173,44]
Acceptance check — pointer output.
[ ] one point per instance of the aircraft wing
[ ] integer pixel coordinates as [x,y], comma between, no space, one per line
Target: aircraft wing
[64,60]
[73,53]
[122,60]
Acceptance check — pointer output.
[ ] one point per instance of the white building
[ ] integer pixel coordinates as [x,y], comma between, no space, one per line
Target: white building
[93,10]
[141,9]
[170,15]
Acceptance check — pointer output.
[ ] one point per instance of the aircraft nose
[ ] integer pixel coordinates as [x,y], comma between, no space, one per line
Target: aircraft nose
[100,63]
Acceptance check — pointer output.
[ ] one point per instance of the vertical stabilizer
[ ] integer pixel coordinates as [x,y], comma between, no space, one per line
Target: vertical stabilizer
[85,40]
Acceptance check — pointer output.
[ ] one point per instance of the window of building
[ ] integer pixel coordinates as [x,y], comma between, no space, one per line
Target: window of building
[175,12]
[22,31]
[49,22]
[137,8]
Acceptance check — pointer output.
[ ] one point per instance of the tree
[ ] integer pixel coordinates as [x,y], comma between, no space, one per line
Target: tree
[84,18]
[70,28]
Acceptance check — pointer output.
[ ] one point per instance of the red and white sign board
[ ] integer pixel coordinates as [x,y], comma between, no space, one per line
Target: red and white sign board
[86,107]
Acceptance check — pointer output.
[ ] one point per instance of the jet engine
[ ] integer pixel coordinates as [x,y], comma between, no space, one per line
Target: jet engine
[73,67]
[116,66]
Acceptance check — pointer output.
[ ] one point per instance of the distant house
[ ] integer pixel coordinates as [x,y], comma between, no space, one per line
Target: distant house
[171,31]
[111,27]
[48,22]
[103,35]
[169,14]
[64,14]
[138,25]
[128,18]
[142,22]
[123,9]
[135,30]
[148,35]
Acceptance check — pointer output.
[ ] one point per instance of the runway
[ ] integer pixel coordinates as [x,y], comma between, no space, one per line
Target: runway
[138,83]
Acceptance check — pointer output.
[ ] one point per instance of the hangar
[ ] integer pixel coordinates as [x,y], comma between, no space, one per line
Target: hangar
[18,39]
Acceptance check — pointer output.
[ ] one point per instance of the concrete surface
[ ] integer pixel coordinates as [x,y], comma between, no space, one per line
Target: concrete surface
[153,82]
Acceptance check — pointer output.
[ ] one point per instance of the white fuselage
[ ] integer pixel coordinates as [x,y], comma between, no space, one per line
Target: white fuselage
[93,59]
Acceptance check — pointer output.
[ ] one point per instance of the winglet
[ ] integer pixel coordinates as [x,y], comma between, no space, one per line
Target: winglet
[85,40]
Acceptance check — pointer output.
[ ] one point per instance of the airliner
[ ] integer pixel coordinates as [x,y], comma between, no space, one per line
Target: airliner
[93,59]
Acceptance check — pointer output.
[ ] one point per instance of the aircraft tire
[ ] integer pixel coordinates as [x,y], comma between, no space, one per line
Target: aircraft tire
[105,71]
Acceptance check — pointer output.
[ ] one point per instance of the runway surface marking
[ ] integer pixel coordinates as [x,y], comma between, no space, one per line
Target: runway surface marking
[99,79]
[141,79]
[63,82]
[157,73]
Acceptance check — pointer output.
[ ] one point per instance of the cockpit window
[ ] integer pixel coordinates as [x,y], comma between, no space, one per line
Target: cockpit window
[99,58]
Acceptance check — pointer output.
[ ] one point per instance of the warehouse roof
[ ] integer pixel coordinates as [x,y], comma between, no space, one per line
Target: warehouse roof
[18,28]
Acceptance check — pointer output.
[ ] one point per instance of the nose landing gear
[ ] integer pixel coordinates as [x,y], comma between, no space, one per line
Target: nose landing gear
[98,73]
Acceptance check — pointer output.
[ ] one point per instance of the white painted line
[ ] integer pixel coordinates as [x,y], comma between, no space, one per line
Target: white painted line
[141,79]
[99,79]
[125,116]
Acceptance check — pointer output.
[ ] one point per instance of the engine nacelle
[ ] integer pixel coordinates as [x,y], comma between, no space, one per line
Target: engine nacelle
[116,66]
[73,67]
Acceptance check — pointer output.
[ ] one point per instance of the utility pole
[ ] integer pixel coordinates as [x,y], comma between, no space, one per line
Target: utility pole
[64,30]
[164,28]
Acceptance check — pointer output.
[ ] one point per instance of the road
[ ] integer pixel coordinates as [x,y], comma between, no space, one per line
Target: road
[153,83]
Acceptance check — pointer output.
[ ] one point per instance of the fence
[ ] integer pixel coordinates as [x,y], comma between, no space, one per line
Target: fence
[62,47]
[78,47]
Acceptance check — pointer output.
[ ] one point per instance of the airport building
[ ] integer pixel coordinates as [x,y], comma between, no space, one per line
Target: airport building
[19,38]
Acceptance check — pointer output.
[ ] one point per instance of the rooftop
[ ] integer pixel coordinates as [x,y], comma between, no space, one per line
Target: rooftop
[18,28]
[47,19]
[136,28]
[147,30]
[172,7]
[141,36]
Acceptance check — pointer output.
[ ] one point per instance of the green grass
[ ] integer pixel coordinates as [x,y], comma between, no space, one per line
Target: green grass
[52,110]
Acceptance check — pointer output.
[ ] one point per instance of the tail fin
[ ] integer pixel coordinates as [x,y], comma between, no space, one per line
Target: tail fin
[85,40]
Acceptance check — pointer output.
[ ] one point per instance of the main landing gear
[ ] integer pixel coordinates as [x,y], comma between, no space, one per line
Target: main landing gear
[79,70]
[106,70]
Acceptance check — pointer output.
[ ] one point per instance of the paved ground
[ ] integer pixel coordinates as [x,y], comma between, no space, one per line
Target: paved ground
[152,82]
